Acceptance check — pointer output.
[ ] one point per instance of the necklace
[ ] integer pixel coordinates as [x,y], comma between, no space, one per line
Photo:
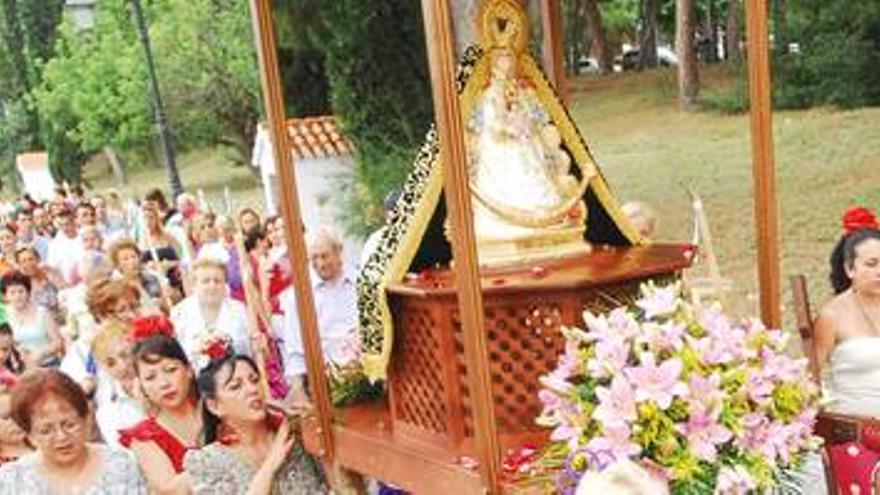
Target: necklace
[179,430]
[875,330]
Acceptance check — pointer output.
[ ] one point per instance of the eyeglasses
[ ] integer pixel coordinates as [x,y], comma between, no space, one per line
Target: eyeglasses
[68,427]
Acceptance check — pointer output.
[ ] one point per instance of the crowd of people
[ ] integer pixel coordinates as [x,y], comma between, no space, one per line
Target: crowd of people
[154,348]
[151,348]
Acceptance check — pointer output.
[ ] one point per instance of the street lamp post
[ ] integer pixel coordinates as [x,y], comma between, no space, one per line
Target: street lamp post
[165,137]
[83,13]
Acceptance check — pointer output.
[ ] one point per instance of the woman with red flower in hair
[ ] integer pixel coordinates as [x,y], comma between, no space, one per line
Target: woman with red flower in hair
[251,449]
[847,342]
[174,423]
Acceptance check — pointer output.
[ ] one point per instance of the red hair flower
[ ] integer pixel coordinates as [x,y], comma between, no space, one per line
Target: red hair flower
[217,348]
[859,217]
[145,327]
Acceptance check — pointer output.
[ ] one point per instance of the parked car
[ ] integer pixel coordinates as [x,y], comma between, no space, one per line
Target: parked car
[631,59]
[587,65]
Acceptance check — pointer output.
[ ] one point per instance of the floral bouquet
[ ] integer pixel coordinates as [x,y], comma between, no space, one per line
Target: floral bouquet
[706,403]
[348,383]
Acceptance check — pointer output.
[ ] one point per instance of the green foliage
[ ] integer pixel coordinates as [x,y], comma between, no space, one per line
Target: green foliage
[27,34]
[839,59]
[207,67]
[837,63]
[621,18]
[300,29]
[96,87]
[377,67]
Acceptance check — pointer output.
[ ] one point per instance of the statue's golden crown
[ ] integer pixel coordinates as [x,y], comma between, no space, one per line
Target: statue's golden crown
[503,24]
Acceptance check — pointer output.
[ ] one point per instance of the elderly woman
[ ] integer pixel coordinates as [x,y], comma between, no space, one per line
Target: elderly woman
[126,258]
[251,450]
[210,311]
[53,411]
[35,331]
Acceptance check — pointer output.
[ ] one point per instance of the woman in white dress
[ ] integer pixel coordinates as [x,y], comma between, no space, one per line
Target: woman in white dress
[210,310]
[848,328]
[847,346]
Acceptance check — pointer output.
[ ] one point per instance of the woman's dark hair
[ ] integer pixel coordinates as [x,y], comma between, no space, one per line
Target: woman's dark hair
[844,255]
[156,347]
[207,382]
[253,237]
[156,195]
[27,249]
[270,220]
[36,385]
[14,278]
[13,363]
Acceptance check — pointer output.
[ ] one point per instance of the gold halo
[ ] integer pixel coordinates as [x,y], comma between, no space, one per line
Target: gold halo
[503,24]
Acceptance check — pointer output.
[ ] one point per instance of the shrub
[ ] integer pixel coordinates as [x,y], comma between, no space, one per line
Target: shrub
[378,72]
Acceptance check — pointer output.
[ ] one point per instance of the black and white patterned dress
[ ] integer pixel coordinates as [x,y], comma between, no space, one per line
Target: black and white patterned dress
[217,470]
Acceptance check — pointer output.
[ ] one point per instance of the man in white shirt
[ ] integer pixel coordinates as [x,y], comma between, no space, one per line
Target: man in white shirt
[65,250]
[335,304]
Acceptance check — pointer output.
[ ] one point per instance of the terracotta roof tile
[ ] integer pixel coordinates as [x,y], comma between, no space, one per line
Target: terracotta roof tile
[317,137]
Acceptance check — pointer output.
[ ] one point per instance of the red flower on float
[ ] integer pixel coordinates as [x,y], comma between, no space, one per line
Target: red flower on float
[857,218]
[145,327]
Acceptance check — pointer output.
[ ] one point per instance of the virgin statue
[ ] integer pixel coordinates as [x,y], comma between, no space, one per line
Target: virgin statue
[526,201]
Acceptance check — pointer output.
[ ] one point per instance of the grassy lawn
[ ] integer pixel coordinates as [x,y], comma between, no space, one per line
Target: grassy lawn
[649,150]
[210,170]
[826,160]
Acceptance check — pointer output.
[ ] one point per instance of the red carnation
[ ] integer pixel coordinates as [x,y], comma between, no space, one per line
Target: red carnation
[859,217]
[145,327]
[216,349]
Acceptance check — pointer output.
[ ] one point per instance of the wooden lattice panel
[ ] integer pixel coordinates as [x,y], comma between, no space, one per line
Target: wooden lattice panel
[524,342]
[524,312]
[418,380]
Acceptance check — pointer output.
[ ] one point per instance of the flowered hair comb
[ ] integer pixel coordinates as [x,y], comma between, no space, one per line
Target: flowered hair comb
[214,347]
[145,327]
[857,218]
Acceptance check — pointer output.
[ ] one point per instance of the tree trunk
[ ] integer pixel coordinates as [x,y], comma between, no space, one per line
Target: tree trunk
[688,81]
[648,36]
[604,56]
[570,35]
[731,31]
[116,165]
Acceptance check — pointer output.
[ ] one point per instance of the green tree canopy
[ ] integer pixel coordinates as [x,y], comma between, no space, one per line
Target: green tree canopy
[96,86]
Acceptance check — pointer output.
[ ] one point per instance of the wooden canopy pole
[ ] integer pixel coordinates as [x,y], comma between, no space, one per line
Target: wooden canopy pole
[453,157]
[763,168]
[273,100]
[554,66]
